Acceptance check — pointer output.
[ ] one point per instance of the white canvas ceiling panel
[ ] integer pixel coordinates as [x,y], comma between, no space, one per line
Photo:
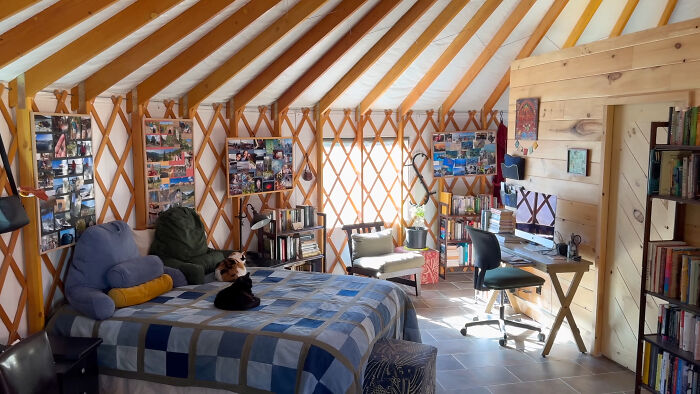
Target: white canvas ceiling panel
[647,13]
[530,21]
[562,26]
[29,60]
[685,9]
[332,75]
[156,63]
[603,21]
[299,67]
[14,20]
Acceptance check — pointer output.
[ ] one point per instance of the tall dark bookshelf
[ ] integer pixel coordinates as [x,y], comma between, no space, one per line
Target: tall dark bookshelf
[444,219]
[682,205]
[312,263]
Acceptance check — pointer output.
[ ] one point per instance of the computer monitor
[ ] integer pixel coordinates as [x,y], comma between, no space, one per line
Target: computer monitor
[535,217]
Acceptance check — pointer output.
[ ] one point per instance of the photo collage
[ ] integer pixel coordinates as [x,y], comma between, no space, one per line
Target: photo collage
[63,146]
[169,166]
[259,165]
[464,153]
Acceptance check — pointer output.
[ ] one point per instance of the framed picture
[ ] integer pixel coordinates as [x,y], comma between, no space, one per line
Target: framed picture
[527,118]
[62,145]
[169,165]
[464,153]
[577,161]
[260,165]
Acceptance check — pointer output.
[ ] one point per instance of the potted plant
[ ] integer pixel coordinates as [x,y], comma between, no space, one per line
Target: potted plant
[417,234]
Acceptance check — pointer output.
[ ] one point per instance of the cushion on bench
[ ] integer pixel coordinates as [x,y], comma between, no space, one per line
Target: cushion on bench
[397,366]
[391,262]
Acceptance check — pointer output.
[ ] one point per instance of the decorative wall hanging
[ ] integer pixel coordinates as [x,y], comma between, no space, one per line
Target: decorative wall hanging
[64,167]
[577,161]
[169,165]
[526,118]
[464,153]
[261,165]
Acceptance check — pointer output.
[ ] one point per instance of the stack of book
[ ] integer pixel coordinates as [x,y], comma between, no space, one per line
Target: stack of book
[309,247]
[452,256]
[455,230]
[683,127]
[666,373]
[675,173]
[285,248]
[293,219]
[466,205]
[674,270]
[501,221]
[679,327]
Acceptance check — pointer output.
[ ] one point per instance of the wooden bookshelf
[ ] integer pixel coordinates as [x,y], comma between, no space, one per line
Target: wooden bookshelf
[443,242]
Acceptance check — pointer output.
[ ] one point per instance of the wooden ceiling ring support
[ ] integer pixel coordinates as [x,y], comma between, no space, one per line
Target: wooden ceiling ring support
[668,11]
[320,30]
[204,47]
[582,23]
[397,30]
[552,14]
[92,43]
[482,14]
[498,39]
[248,53]
[12,7]
[128,62]
[436,26]
[33,32]
[356,33]
[624,17]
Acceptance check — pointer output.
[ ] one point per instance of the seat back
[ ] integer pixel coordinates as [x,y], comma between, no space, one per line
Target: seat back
[360,228]
[28,368]
[486,254]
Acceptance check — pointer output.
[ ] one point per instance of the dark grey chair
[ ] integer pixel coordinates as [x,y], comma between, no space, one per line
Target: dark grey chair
[489,275]
[28,367]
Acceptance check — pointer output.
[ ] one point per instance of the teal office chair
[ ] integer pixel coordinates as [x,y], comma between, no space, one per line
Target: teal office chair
[489,275]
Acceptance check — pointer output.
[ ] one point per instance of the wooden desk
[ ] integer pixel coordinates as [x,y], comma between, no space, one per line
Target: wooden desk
[553,265]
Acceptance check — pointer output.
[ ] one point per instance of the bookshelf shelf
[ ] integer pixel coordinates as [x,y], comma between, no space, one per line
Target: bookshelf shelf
[690,308]
[277,236]
[683,148]
[676,199]
[671,347]
[293,232]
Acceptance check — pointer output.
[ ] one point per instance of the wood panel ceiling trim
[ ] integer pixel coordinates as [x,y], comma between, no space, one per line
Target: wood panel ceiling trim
[428,35]
[582,23]
[542,28]
[46,25]
[624,17]
[12,7]
[503,32]
[450,52]
[250,52]
[92,43]
[668,11]
[352,37]
[320,30]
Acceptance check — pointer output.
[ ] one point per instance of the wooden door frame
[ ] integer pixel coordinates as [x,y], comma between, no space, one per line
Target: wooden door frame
[682,97]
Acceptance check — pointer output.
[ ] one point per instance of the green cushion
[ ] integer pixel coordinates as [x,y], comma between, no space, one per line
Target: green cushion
[510,278]
[372,244]
[391,262]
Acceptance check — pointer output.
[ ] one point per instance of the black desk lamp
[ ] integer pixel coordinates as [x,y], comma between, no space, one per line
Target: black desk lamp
[258,221]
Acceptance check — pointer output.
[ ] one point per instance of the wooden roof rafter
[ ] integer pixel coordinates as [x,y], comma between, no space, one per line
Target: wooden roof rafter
[10,8]
[356,33]
[482,14]
[436,26]
[503,32]
[582,23]
[668,11]
[138,55]
[542,28]
[624,17]
[320,30]
[248,53]
[91,44]
[33,32]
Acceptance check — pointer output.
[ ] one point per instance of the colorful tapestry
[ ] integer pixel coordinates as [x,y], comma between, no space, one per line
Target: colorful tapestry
[526,118]
[464,153]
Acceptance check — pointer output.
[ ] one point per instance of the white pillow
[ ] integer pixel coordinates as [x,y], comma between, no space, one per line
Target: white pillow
[144,239]
[372,244]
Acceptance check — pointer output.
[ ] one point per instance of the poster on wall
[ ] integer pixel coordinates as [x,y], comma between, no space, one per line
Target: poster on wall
[464,153]
[527,118]
[261,165]
[64,168]
[169,165]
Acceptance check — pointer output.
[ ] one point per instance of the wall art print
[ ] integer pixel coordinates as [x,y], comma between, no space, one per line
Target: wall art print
[464,153]
[64,168]
[261,165]
[577,161]
[169,165]
[526,118]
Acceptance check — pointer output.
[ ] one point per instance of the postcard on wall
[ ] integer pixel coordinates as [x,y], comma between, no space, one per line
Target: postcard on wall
[526,118]
[464,153]
[63,149]
[169,165]
[259,165]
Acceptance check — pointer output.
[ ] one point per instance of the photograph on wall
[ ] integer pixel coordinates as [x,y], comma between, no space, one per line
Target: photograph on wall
[63,149]
[261,165]
[169,165]
[527,112]
[577,161]
[464,153]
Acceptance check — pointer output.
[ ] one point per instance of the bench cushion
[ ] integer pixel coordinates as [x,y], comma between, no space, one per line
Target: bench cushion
[397,366]
[510,278]
[391,262]
[372,244]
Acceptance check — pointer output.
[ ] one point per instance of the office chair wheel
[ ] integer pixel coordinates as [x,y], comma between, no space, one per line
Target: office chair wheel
[475,318]
[540,337]
[502,342]
[463,331]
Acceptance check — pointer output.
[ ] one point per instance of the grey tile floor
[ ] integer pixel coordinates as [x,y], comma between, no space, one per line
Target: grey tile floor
[477,364]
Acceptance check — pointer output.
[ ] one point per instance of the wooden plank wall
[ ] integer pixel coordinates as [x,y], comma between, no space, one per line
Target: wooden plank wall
[574,86]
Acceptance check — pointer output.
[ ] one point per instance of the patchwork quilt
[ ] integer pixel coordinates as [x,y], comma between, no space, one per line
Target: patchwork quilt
[312,333]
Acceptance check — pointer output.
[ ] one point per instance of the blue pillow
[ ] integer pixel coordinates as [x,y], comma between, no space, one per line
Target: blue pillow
[134,272]
[177,275]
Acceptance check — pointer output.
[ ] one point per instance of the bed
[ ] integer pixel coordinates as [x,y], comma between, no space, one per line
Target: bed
[311,333]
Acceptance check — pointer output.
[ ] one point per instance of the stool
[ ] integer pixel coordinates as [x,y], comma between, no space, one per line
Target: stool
[397,366]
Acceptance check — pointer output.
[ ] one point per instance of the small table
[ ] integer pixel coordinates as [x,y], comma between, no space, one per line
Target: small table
[430,268]
[76,363]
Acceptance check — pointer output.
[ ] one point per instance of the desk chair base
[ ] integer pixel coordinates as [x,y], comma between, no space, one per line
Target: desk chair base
[502,323]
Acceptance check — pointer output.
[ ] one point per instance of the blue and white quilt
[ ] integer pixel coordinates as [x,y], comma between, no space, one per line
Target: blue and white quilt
[312,333]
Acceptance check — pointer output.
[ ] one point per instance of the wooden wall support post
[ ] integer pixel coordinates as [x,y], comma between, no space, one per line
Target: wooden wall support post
[233,118]
[399,135]
[137,114]
[30,233]
[319,118]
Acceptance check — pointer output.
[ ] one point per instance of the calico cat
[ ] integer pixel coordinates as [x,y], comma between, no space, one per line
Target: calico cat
[238,296]
[231,268]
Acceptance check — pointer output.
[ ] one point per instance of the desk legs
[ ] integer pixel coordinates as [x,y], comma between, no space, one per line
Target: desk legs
[564,311]
[511,297]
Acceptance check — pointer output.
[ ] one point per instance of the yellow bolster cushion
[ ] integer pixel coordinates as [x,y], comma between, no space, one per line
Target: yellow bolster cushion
[144,292]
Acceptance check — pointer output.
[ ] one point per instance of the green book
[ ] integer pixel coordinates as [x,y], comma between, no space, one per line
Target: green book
[693,125]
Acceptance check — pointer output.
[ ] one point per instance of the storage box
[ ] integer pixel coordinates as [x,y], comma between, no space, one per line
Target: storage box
[430,269]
